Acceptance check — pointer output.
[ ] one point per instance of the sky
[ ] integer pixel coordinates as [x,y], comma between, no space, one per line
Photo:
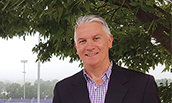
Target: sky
[14,50]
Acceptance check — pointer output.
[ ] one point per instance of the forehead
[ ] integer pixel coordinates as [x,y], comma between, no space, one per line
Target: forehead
[91,23]
[90,29]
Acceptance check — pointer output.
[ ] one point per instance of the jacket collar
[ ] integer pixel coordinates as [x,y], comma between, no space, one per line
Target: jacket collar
[80,91]
[116,89]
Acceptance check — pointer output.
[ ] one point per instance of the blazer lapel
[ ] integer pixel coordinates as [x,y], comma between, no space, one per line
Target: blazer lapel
[79,90]
[116,90]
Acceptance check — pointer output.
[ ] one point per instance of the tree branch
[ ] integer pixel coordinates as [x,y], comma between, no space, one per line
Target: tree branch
[161,37]
[114,12]
[159,33]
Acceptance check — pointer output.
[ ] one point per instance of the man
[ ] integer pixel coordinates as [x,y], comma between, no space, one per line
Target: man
[101,81]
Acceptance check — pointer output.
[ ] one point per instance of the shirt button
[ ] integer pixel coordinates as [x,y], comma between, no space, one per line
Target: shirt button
[95,87]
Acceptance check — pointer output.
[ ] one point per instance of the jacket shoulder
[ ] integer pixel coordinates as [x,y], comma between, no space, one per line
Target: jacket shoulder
[70,79]
[132,74]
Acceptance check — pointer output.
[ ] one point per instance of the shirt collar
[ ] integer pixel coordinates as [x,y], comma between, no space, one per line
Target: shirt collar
[105,75]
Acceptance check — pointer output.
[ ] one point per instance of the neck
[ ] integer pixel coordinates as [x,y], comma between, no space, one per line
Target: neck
[96,71]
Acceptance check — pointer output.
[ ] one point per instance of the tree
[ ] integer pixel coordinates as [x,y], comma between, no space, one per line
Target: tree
[46,88]
[165,92]
[31,90]
[141,28]
[2,85]
[46,91]
[15,91]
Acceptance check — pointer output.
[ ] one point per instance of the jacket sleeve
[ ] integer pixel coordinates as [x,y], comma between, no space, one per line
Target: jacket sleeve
[151,92]
[56,98]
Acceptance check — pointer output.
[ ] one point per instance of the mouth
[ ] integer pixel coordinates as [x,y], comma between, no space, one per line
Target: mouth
[91,54]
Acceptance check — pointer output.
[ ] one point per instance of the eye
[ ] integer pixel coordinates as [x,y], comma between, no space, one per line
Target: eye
[82,41]
[96,38]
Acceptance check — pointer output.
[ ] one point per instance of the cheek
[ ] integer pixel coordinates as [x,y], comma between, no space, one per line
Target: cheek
[101,45]
[104,48]
[80,51]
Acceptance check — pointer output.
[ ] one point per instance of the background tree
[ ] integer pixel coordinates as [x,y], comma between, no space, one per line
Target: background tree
[165,92]
[141,28]
[46,91]
[163,81]
[2,85]
[46,88]
[15,91]
[31,90]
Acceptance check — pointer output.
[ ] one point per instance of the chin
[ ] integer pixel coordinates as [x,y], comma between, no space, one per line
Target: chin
[92,63]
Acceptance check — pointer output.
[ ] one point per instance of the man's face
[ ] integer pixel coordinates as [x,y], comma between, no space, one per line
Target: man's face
[92,43]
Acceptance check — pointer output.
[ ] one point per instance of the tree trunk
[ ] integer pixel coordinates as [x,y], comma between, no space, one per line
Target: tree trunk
[159,34]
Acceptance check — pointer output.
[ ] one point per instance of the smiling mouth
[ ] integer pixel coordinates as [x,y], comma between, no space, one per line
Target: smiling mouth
[92,54]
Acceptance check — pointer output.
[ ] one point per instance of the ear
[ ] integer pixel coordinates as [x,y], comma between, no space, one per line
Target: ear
[75,47]
[110,39]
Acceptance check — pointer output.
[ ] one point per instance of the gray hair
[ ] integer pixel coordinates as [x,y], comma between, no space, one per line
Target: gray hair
[91,18]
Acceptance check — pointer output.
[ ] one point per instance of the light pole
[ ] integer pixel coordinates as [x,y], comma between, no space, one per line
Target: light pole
[24,61]
[38,88]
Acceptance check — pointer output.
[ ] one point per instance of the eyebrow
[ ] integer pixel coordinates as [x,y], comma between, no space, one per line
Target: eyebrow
[80,39]
[98,34]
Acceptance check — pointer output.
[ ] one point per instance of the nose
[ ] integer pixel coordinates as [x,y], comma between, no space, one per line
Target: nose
[90,45]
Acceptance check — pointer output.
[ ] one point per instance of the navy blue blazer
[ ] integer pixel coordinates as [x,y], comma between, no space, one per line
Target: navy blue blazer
[125,86]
